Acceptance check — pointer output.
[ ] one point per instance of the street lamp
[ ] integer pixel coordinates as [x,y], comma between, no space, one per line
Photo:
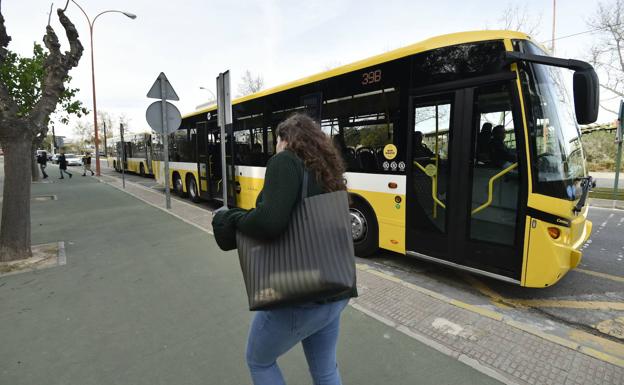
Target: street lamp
[95,125]
[211,93]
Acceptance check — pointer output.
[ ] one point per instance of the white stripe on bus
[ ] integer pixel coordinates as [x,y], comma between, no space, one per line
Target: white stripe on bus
[355,180]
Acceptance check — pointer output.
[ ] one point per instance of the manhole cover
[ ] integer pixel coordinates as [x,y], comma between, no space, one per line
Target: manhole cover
[42,198]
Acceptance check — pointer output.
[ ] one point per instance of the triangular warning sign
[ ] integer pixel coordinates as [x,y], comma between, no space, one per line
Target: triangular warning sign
[156,92]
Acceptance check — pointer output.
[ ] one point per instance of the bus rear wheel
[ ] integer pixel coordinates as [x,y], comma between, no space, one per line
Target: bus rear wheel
[191,187]
[364,229]
[178,185]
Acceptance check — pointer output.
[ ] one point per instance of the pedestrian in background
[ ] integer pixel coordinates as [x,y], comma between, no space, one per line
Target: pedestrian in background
[42,159]
[301,145]
[86,164]
[63,165]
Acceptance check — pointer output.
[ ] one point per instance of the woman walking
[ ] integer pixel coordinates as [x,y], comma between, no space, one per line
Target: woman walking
[63,165]
[301,145]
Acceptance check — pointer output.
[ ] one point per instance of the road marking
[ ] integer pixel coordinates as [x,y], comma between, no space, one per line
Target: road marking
[568,304]
[607,346]
[601,275]
[612,327]
[496,298]
[607,221]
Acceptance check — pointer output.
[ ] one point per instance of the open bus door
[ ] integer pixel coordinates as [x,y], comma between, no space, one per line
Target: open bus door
[466,190]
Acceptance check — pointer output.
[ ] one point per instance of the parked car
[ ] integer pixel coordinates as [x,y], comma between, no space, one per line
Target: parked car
[73,160]
[54,158]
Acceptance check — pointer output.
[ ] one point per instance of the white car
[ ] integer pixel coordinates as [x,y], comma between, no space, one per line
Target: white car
[73,160]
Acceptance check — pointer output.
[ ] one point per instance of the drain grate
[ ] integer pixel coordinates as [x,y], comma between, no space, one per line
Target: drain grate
[43,198]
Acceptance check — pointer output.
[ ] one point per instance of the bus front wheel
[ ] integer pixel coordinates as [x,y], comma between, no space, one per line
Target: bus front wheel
[364,229]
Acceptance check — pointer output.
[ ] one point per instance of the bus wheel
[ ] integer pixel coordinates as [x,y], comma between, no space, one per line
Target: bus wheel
[364,229]
[191,187]
[178,185]
[142,170]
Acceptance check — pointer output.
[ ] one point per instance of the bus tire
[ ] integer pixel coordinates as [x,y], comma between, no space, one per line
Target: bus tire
[142,170]
[178,185]
[191,187]
[364,228]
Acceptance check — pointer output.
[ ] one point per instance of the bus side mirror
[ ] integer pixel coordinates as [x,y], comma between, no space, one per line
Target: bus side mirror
[586,95]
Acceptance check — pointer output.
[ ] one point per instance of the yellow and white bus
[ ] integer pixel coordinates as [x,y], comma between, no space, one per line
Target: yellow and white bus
[462,149]
[137,152]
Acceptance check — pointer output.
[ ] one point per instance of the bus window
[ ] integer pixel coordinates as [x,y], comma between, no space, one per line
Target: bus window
[495,162]
[270,146]
[361,126]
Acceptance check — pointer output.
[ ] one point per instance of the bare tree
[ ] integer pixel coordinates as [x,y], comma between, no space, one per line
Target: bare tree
[517,18]
[250,84]
[17,132]
[83,132]
[607,53]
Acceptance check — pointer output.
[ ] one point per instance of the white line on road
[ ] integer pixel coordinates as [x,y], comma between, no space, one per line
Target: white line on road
[605,222]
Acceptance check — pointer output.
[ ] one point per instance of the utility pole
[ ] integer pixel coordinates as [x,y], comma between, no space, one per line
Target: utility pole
[105,147]
[619,134]
[123,155]
[552,42]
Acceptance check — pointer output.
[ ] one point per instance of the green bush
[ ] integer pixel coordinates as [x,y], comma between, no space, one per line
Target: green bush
[600,150]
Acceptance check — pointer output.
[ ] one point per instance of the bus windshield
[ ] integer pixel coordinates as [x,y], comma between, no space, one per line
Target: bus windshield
[558,159]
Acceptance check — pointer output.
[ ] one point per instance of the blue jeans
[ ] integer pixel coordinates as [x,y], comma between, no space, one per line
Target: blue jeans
[274,332]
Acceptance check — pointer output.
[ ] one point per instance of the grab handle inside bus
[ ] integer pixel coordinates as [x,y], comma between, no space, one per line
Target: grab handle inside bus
[585,82]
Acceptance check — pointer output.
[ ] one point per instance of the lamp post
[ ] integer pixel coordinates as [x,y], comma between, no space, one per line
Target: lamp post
[95,125]
[214,98]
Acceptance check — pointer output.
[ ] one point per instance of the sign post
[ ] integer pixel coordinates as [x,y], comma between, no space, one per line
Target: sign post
[224,119]
[164,118]
[123,156]
[618,140]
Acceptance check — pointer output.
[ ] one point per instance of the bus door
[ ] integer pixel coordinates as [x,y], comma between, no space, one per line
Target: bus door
[201,132]
[466,181]
[149,154]
[213,163]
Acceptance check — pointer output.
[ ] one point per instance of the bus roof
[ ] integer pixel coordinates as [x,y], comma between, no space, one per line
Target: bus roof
[425,45]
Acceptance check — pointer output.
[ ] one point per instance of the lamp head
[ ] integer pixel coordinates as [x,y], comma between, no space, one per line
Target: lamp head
[130,15]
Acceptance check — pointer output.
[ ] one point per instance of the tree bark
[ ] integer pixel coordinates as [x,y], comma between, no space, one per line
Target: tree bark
[34,168]
[15,231]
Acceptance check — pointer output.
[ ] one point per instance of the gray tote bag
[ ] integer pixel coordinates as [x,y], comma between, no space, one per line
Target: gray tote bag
[312,260]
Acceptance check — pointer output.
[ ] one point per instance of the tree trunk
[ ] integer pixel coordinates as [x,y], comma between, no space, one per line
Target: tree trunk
[15,226]
[34,169]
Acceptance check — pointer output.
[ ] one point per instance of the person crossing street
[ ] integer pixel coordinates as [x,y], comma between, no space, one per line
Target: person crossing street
[86,164]
[63,165]
[42,159]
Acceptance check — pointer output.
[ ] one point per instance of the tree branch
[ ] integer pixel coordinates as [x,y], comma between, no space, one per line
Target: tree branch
[608,109]
[56,67]
[612,90]
[8,107]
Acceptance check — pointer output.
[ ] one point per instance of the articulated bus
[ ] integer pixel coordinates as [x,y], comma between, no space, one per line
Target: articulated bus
[463,149]
[138,154]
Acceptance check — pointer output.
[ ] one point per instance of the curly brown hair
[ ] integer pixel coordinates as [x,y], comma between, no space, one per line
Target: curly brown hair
[306,139]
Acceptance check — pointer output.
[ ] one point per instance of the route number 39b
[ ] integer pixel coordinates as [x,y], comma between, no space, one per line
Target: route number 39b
[371,77]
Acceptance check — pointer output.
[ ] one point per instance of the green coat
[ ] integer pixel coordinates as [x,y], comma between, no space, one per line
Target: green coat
[277,200]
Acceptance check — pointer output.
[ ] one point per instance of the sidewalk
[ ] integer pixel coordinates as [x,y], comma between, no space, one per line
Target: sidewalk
[480,336]
[148,299]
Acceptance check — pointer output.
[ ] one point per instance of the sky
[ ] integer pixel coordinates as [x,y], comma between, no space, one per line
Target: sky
[192,41]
